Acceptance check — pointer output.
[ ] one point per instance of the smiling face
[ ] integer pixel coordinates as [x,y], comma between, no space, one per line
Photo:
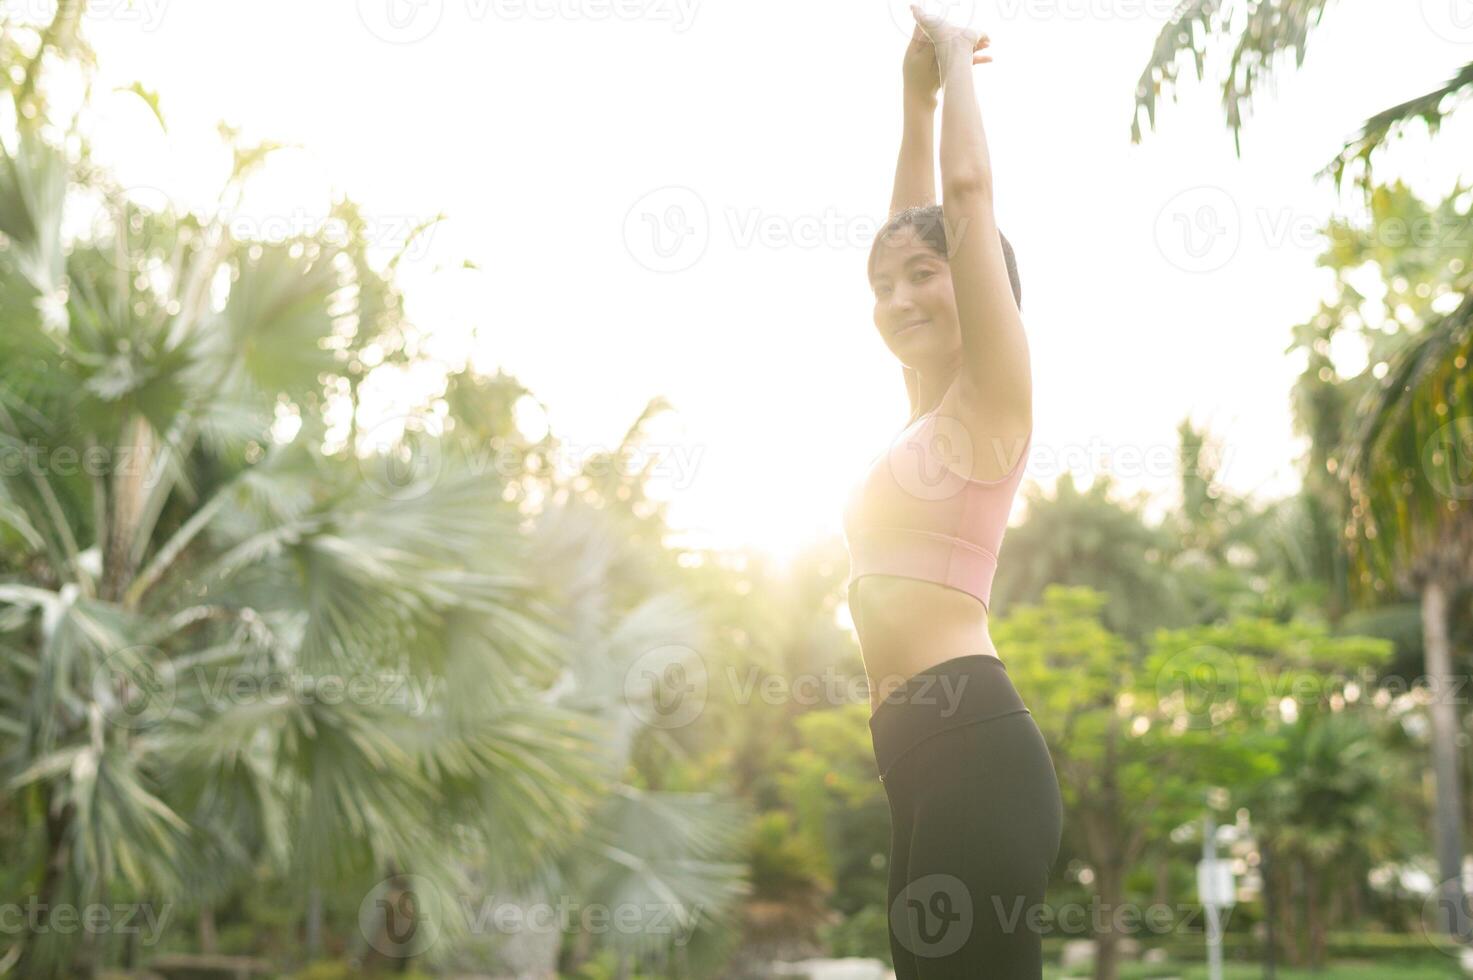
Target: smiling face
[915,308]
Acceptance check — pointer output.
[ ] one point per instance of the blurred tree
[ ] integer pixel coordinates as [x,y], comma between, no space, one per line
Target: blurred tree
[1260,34]
[1138,736]
[1391,445]
[175,533]
[179,523]
[1279,690]
[1088,539]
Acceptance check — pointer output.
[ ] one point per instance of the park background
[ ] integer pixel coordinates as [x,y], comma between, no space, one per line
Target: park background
[425,427]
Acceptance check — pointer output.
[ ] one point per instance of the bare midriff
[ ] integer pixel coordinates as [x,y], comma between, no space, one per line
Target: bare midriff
[908,625]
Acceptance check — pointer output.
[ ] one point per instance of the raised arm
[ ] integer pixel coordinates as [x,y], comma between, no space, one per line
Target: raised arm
[996,379]
[915,170]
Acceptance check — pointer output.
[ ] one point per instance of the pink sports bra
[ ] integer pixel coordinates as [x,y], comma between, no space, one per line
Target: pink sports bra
[915,516]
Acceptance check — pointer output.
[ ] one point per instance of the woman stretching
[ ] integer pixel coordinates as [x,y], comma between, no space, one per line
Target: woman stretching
[976,815]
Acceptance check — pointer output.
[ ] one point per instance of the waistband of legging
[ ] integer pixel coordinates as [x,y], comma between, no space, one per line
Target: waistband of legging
[961,691]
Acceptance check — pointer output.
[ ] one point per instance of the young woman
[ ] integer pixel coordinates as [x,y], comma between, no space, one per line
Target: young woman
[976,815]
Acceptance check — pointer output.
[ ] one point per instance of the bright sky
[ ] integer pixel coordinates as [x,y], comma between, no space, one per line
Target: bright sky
[758,139]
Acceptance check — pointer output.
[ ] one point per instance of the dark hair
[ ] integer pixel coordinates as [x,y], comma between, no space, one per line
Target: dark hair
[928,223]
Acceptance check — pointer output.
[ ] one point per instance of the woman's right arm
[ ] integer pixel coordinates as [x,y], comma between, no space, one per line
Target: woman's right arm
[915,170]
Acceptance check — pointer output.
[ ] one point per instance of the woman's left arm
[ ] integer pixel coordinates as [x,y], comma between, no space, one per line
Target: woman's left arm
[996,383]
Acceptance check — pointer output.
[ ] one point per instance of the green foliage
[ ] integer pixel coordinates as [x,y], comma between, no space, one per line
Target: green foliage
[1260,34]
[865,934]
[235,645]
[782,864]
[1395,436]
[1266,29]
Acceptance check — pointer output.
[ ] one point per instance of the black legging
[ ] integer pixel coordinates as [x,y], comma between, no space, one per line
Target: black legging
[975,823]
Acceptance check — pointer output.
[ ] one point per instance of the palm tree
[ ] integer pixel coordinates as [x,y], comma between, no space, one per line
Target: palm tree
[1330,813]
[1418,536]
[1410,423]
[1085,538]
[1260,33]
[166,533]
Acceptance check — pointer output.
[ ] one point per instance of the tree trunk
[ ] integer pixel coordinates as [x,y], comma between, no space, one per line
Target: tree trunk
[57,856]
[1107,941]
[130,487]
[1161,894]
[1288,905]
[314,923]
[207,934]
[1445,749]
[1268,869]
[1314,917]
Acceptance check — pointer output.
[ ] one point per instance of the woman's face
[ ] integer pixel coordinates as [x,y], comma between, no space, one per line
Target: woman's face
[915,308]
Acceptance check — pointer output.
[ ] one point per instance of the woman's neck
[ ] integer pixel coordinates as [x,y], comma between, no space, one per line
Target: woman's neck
[933,386]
